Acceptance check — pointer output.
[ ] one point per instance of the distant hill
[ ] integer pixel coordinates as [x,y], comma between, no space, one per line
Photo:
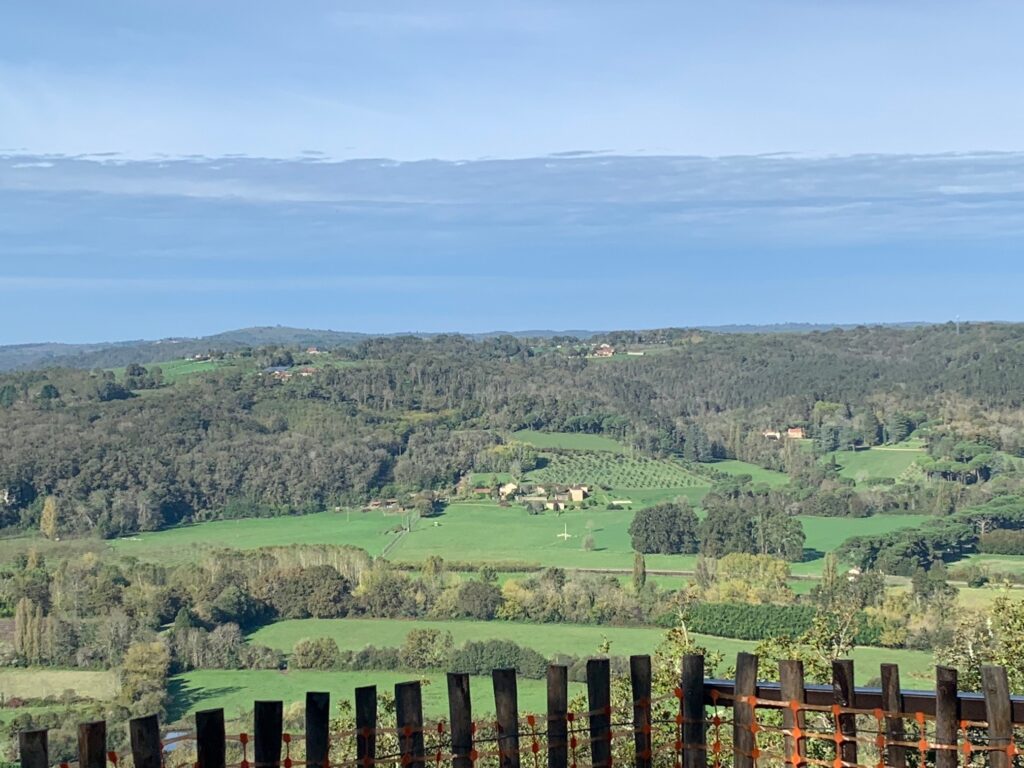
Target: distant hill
[118,353]
[115,354]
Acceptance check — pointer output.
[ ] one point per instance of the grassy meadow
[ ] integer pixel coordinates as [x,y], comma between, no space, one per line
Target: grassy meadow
[878,462]
[236,690]
[758,474]
[46,682]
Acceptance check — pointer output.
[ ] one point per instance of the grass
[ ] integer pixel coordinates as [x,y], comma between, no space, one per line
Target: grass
[485,532]
[41,683]
[615,471]
[759,474]
[550,639]
[996,564]
[178,369]
[368,530]
[570,441]
[236,690]
[876,462]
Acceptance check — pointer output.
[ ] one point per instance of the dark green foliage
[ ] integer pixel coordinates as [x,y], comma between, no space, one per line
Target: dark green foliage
[479,658]
[1002,543]
[477,600]
[318,653]
[667,529]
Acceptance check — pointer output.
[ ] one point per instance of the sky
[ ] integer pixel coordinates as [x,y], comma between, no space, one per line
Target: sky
[183,168]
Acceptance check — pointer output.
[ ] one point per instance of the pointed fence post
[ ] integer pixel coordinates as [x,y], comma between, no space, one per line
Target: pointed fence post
[267,723]
[366,726]
[694,732]
[318,717]
[640,681]
[92,745]
[34,749]
[895,729]
[409,715]
[1000,715]
[947,717]
[599,698]
[843,695]
[460,713]
[743,708]
[144,733]
[506,708]
[210,744]
[558,709]
[791,681]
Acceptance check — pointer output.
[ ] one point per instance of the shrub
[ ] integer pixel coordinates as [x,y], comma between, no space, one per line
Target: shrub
[318,653]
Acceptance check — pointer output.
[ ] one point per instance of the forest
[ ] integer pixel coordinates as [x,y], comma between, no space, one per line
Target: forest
[118,454]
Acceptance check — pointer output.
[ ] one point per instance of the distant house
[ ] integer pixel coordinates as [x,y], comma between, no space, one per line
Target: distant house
[796,433]
[482,491]
[279,372]
[307,372]
[313,351]
[604,350]
[508,489]
[557,506]
[578,493]
[772,434]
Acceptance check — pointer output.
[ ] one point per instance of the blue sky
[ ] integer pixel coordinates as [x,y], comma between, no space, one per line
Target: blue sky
[182,168]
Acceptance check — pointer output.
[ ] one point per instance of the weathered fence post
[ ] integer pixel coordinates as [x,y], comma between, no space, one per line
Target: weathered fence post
[694,733]
[1000,715]
[791,683]
[34,749]
[366,725]
[843,695]
[460,713]
[92,745]
[947,717]
[409,715]
[210,745]
[599,699]
[895,730]
[640,681]
[144,733]
[267,722]
[318,716]
[506,708]
[743,708]
[558,709]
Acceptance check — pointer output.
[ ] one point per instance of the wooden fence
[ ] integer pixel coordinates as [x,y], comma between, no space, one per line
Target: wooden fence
[701,723]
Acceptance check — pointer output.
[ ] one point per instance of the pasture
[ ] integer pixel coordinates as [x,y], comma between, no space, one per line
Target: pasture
[876,462]
[369,530]
[39,683]
[486,532]
[758,474]
[550,639]
[236,690]
[569,441]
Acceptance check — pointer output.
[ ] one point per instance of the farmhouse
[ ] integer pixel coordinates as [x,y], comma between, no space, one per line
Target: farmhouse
[578,492]
[604,350]
[796,433]
[557,506]
[772,434]
[508,489]
[279,372]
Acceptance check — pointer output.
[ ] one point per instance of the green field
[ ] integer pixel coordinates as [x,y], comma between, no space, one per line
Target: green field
[876,462]
[996,564]
[236,690]
[485,532]
[570,441]
[550,639]
[179,369]
[615,471]
[368,530]
[758,474]
[42,683]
